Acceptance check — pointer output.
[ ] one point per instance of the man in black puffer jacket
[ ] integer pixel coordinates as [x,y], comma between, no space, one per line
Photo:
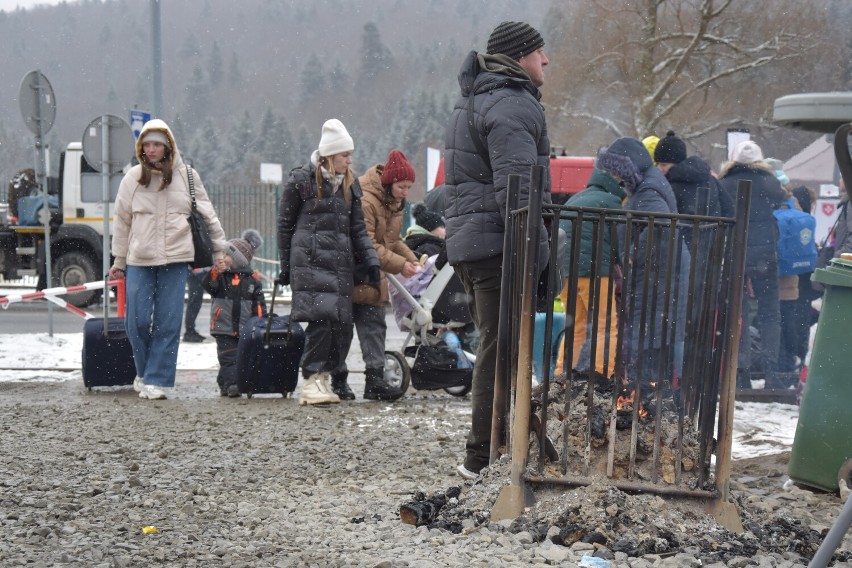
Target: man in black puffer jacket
[500,96]
[696,190]
[697,193]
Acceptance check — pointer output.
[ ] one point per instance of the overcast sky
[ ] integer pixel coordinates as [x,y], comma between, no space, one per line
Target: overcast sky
[11,5]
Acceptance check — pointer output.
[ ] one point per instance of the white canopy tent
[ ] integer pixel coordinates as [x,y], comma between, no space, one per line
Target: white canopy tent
[814,165]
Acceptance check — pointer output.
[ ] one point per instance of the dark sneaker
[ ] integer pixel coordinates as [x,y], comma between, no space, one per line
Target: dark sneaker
[233,391]
[193,337]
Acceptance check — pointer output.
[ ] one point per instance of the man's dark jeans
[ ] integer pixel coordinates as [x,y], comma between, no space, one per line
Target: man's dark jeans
[482,282]
[194,299]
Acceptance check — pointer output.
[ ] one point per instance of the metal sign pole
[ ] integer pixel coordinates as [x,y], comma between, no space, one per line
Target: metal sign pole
[38,107]
[42,182]
[105,177]
[156,58]
[107,147]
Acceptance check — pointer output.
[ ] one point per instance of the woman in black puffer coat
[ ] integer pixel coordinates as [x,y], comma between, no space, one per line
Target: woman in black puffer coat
[321,231]
[761,269]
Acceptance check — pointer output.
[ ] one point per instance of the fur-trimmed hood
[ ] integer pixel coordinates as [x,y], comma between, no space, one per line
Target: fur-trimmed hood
[161,126]
[761,165]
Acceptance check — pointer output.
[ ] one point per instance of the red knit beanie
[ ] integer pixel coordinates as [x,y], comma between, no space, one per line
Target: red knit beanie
[397,168]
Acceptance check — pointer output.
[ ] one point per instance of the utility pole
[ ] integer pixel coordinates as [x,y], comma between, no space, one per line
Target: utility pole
[156,59]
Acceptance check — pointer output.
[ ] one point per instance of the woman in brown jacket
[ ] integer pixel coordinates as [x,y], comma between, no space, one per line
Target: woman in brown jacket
[385,188]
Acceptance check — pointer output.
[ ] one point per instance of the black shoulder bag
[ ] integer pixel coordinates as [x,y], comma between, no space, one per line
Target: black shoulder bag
[826,252]
[200,235]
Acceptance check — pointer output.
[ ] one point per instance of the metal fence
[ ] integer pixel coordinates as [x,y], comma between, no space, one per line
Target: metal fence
[663,293]
[250,207]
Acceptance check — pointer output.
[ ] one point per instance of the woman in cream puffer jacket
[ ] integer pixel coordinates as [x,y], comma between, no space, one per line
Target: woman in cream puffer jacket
[152,246]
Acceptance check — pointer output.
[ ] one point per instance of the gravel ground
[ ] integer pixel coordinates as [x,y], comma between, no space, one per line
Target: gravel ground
[264,482]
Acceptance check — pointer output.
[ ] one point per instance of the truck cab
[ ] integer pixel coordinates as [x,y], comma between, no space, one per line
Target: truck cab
[76,231]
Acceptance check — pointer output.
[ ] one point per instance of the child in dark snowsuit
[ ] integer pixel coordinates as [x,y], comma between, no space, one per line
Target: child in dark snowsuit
[237,295]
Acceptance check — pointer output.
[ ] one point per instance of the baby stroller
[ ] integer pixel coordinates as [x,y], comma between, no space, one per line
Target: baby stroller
[432,307]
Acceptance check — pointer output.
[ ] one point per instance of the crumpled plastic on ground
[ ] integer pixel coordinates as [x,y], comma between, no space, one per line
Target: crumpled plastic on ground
[594,562]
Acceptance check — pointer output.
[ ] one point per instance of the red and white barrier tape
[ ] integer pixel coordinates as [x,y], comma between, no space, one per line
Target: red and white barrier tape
[71,308]
[12,298]
[52,295]
[266,260]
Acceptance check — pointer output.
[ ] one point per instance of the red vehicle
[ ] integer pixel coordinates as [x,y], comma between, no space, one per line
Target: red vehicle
[568,175]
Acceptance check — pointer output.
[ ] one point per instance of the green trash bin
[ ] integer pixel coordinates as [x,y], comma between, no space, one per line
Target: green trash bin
[822,447]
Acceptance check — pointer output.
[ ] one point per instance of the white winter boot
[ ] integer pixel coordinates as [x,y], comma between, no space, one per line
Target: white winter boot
[316,391]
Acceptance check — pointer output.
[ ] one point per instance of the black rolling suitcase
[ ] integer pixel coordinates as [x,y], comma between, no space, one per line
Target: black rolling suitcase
[268,354]
[107,355]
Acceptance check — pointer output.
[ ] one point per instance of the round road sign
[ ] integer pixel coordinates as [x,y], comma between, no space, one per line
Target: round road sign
[38,105]
[121,143]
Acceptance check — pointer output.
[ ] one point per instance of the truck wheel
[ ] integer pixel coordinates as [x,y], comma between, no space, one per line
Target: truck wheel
[74,269]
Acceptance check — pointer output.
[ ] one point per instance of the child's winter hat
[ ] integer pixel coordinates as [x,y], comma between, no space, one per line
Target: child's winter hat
[778,166]
[242,250]
[427,219]
[335,139]
[397,168]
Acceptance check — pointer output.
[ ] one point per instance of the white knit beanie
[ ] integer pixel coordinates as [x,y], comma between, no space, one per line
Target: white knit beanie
[747,152]
[335,139]
[157,136]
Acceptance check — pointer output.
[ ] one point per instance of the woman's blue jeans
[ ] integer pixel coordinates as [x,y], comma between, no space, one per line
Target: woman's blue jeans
[154,318]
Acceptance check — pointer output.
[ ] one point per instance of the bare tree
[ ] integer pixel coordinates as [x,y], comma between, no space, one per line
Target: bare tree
[642,67]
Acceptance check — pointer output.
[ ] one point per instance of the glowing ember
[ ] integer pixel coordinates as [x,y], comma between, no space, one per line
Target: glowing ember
[625,402]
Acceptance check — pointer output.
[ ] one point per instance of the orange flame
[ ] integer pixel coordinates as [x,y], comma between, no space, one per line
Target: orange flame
[625,402]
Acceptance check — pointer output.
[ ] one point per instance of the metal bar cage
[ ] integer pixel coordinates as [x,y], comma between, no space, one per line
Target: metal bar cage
[649,329]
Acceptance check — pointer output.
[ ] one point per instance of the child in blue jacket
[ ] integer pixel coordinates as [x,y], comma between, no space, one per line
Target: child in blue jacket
[237,294]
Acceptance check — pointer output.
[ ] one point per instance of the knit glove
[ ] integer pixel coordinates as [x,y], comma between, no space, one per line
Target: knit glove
[283,278]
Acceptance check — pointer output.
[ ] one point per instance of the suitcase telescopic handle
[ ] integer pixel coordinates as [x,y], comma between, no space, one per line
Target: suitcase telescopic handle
[121,297]
[270,313]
